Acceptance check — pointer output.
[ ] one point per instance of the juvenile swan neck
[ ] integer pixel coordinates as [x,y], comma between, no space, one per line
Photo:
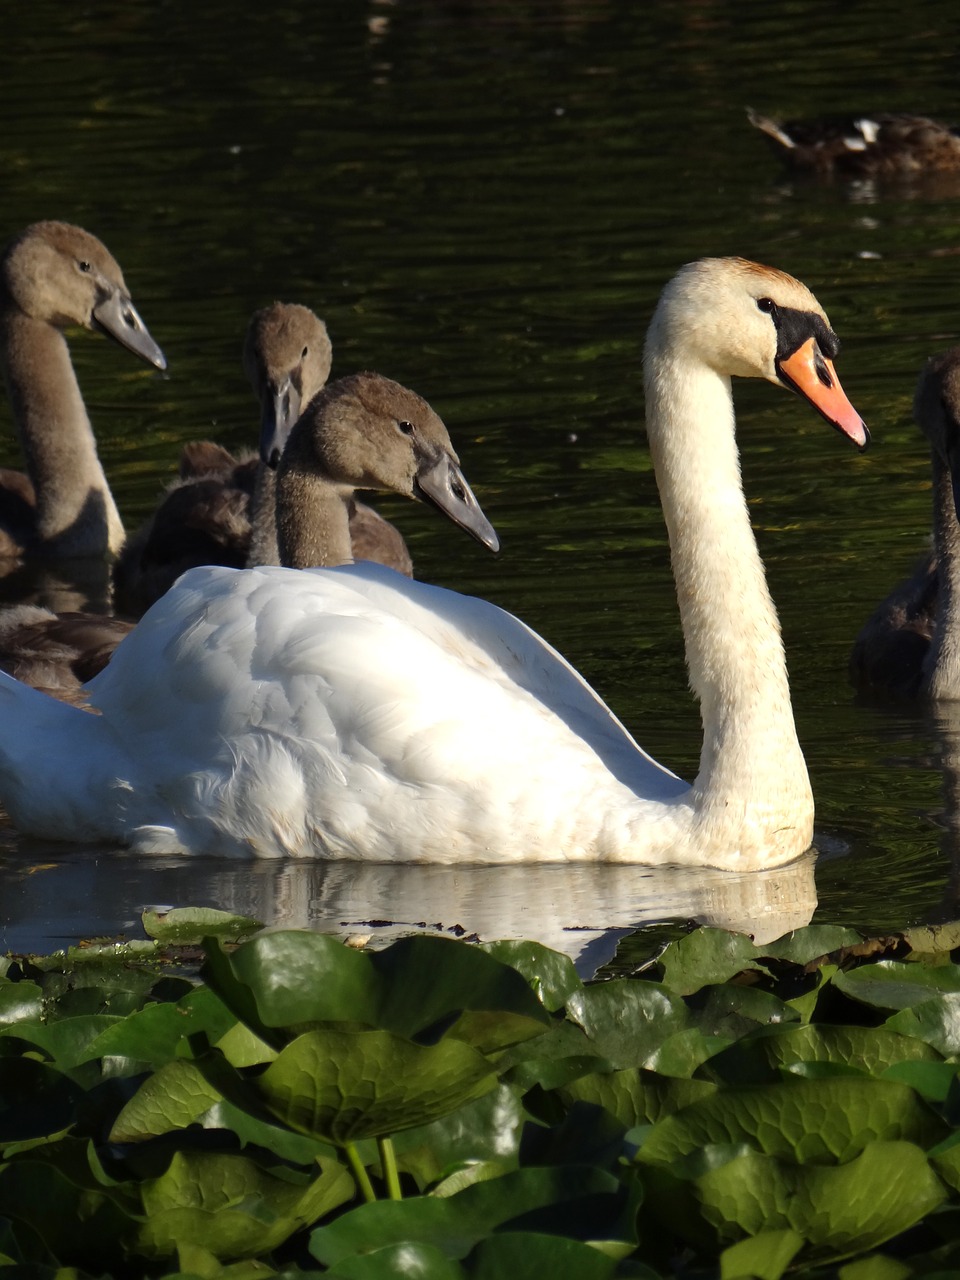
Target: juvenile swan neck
[752,774]
[263,548]
[313,521]
[76,514]
[942,668]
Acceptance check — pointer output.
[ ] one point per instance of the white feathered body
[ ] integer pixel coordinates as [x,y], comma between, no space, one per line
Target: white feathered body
[252,713]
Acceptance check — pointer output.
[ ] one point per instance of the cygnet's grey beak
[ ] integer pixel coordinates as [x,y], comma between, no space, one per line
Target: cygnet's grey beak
[280,410]
[117,317]
[443,485]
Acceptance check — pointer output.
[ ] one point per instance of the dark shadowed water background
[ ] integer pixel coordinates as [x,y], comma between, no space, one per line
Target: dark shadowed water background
[484,201]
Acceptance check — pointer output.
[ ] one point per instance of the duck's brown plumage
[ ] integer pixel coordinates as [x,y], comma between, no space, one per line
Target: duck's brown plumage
[881,145]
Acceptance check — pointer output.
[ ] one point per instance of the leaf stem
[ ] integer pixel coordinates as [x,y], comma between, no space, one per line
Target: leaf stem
[388,1162]
[360,1175]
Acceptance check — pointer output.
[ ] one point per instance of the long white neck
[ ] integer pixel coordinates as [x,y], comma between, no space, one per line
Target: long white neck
[942,667]
[752,776]
[76,514]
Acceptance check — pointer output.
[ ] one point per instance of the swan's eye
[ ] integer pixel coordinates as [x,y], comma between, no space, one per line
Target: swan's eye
[304,353]
[84,266]
[767,304]
[406,428]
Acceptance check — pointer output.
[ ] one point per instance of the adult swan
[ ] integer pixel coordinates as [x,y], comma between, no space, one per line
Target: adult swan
[351,713]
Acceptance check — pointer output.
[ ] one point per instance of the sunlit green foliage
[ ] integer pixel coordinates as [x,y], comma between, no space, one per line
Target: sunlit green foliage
[442,1110]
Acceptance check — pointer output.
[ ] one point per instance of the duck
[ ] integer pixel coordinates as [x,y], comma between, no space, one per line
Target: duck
[353,713]
[220,509]
[348,436]
[909,647]
[54,275]
[884,145]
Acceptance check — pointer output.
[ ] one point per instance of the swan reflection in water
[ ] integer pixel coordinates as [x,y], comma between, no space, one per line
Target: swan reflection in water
[53,898]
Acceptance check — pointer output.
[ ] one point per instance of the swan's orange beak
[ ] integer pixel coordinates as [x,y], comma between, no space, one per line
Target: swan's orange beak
[808,372]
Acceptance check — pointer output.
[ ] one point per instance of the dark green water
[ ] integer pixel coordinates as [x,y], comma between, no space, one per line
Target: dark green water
[483,201]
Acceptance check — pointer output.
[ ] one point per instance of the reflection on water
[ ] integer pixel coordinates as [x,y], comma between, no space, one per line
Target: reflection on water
[583,911]
[483,201]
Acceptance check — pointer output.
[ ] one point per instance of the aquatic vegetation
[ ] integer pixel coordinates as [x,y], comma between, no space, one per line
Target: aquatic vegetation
[438,1109]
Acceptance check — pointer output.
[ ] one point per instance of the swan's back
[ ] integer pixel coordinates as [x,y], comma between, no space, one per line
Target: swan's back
[271,677]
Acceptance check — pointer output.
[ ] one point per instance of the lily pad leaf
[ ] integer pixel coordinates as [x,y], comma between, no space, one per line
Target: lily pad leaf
[637,1097]
[867,1050]
[705,957]
[626,1021]
[857,1206]
[799,1120]
[185,925]
[343,1086]
[934,1020]
[551,974]
[281,981]
[893,984]
[803,946]
[529,1255]
[410,1259]
[429,981]
[765,1255]
[173,1097]
[455,1224]
[232,1207]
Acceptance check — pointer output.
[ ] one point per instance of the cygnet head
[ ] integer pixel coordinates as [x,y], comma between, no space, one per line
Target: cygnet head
[63,276]
[936,410]
[368,432]
[287,358]
[746,320]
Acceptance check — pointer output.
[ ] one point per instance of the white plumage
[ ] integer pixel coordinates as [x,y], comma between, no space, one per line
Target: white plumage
[351,713]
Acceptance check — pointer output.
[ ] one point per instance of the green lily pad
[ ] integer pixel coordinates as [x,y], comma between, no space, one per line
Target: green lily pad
[869,1050]
[637,1097]
[186,925]
[551,974]
[566,1196]
[803,946]
[707,956]
[828,1121]
[626,1021]
[934,1020]
[411,1258]
[172,1098]
[766,1255]
[893,984]
[343,1086]
[233,1208]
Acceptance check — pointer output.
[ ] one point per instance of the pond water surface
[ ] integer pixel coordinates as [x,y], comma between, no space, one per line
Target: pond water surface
[484,201]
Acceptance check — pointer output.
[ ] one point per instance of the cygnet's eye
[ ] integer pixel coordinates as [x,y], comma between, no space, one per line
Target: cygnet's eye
[406,428]
[304,353]
[767,304]
[84,266]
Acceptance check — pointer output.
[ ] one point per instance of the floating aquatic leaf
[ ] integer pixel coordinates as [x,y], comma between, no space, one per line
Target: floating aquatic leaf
[343,1086]
[183,925]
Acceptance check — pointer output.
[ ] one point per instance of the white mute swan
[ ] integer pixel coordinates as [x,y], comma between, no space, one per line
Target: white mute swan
[909,647]
[351,713]
[52,276]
